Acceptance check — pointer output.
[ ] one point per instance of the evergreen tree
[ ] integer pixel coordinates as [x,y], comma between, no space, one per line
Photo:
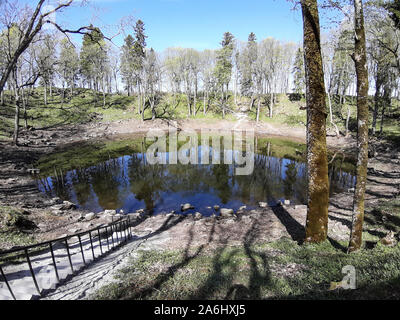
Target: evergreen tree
[68,64]
[248,59]
[46,61]
[128,63]
[223,68]
[299,74]
[393,7]
[93,56]
[139,54]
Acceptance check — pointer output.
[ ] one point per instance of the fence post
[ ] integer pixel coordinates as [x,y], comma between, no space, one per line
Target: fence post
[69,255]
[108,243]
[130,227]
[116,233]
[101,248]
[8,285]
[112,237]
[54,261]
[32,272]
[91,244]
[80,244]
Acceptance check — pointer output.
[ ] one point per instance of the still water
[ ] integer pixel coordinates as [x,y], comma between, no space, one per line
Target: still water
[117,175]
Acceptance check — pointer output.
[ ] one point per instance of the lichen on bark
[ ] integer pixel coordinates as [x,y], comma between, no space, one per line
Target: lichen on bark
[360,60]
[317,162]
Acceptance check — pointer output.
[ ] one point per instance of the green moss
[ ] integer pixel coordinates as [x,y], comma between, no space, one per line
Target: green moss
[13,229]
[282,148]
[12,219]
[85,155]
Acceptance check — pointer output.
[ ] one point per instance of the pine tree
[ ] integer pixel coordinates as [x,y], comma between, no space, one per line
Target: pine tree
[92,56]
[299,74]
[68,64]
[223,68]
[393,8]
[128,63]
[139,54]
[46,62]
[247,61]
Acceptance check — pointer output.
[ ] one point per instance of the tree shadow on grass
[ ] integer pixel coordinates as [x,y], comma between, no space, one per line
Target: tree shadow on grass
[296,230]
[172,270]
[224,271]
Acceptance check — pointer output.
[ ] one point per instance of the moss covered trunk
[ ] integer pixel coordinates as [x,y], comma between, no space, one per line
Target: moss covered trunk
[360,60]
[317,162]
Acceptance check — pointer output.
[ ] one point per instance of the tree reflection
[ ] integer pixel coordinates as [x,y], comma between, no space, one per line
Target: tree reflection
[130,180]
[290,180]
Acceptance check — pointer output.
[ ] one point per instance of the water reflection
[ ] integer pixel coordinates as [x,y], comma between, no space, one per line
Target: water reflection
[130,183]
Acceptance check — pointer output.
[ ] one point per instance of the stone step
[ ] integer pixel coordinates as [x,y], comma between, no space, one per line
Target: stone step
[20,279]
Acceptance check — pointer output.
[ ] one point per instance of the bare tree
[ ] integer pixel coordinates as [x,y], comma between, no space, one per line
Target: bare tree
[29,23]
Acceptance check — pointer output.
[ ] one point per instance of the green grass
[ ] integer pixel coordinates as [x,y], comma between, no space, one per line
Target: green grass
[385,216]
[12,225]
[86,105]
[87,154]
[255,272]
[281,269]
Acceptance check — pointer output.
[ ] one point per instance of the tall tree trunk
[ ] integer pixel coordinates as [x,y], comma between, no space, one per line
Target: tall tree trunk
[223,102]
[24,102]
[104,92]
[360,60]
[189,105]
[16,119]
[251,101]
[271,105]
[45,94]
[386,104]
[382,117]
[17,102]
[317,160]
[152,104]
[204,103]
[143,99]
[116,83]
[139,99]
[376,102]
[331,115]
[258,108]
[195,99]
[347,121]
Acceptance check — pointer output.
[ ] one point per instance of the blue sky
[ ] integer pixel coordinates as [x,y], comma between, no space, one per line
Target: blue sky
[198,24]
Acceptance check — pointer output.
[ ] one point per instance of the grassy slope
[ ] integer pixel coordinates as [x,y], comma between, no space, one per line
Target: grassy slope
[85,106]
[250,268]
